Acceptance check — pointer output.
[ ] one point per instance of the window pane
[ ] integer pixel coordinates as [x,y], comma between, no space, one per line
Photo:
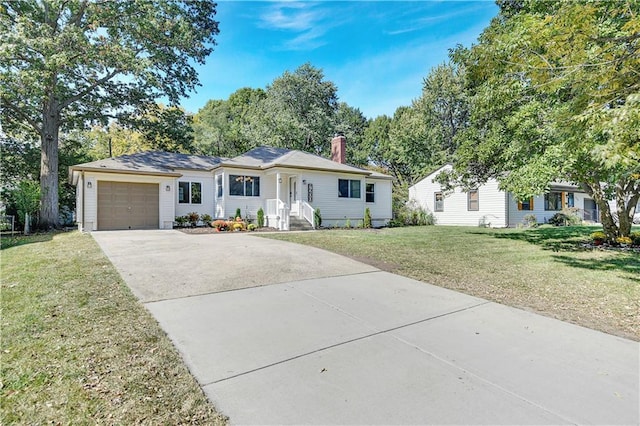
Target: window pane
[439,202]
[219,185]
[570,200]
[196,193]
[553,201]
[236,185]
[370,193]
[355,189]
[183,192]
[256,186]
[248,186]
[343,188]
[473,204]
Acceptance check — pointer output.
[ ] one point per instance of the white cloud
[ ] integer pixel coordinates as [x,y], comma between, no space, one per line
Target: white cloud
[307,23]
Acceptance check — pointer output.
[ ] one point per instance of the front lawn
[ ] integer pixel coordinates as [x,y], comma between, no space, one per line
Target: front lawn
[77,347]
[544,270]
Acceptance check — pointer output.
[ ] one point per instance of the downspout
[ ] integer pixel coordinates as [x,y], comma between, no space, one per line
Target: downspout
[506,203]
[84,213]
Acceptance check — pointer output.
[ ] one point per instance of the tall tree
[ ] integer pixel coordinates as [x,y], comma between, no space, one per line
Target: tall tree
[66,63]
[556,97]
[350,121]
[298,111]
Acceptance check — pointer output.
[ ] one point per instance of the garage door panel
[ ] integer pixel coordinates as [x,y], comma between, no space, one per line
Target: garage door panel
[125,205]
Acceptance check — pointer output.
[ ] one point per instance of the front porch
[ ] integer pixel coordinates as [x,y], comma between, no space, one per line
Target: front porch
[289,202]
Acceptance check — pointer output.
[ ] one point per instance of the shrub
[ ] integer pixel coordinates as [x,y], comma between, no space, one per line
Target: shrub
[181,220]
[347,223]
[530,221]
[598,236]
[206,219]
[260,216]
[317,218]
[193,218]
[413,213]
[238,226]
[635,238]
[567,217]
[251,227]
[238,213]
[367,218]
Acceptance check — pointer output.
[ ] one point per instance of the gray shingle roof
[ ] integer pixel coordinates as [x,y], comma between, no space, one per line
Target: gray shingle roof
[152,162]
[266,157]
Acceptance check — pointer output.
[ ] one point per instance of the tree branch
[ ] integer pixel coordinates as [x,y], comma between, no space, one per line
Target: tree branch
[88,89]
[18,111]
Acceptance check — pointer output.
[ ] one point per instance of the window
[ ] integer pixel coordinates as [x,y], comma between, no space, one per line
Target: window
[245,186]
[473,200]
[189,193]
[526,204]
[553,201]
[438,204]
[570,200]
[370,193]
[219,185]
[348,188]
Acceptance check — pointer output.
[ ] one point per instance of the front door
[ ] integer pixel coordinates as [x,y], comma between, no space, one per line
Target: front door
[293,195]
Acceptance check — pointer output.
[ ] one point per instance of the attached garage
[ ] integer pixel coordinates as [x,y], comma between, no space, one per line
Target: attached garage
[127,205]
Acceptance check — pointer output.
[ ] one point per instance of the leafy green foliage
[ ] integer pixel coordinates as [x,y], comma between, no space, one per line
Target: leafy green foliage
[260,217]
[65,64]
[367,218]
[317,218]
[553,89]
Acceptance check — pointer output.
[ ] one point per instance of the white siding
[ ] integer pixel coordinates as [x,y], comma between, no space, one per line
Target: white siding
[516,217]
[381,208]
[208,192]
[491,203]
[90,213]
[333,209]
[250,204]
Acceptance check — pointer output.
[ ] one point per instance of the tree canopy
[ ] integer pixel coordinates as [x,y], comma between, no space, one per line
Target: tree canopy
[64,64]
[554,92]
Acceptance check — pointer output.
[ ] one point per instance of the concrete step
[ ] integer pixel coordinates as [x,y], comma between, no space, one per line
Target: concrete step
[296,224]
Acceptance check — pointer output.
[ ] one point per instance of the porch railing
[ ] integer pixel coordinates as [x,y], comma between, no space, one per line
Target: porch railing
[277,214]
[307,213]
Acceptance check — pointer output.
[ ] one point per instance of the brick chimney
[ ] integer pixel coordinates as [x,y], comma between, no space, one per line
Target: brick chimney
[339,148]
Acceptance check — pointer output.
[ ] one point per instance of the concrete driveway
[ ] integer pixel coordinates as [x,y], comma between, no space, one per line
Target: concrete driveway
[278,333]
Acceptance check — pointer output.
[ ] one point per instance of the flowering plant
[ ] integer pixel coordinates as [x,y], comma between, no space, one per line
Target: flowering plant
[623,240]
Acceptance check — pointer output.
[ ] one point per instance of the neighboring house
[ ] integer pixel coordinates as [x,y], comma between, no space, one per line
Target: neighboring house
[487,205]
[149,189]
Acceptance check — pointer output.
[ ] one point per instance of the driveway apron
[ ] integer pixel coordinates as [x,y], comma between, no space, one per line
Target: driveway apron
[279,333]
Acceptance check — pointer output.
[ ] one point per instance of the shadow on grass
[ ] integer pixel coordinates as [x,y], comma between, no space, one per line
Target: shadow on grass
[8,241]
[629,264]
[566,238]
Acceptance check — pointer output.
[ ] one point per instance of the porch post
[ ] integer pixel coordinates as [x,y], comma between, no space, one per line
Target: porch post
[278,182]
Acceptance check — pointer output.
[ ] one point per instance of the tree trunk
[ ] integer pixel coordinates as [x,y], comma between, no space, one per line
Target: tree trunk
[609,226]
[49,208]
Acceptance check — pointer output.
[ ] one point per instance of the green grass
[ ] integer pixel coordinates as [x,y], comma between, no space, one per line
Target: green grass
[77,347]
[545,270]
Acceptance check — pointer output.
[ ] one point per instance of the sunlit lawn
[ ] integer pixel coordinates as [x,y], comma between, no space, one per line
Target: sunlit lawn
[77,347]
[545,270]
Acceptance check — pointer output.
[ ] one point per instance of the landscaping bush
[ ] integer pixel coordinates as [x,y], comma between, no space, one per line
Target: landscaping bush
[193,218]
[251,227]
[260,217]
[635,238]
[598,237]
[530,221]
[412,214]
[317,218]
[238,213]
[181,221]
[206,219]
[367,218]
[220,225]
[567,217]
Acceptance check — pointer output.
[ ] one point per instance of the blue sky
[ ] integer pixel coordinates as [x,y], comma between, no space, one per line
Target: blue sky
[377,53]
